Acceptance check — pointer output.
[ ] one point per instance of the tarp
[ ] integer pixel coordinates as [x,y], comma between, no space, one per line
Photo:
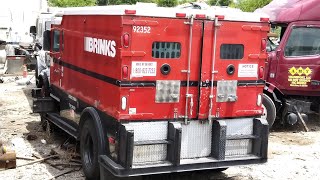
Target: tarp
[285,11]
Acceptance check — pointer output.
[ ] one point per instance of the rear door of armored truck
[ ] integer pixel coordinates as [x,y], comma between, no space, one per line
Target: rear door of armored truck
[163,57]
[164,46]
[233,64]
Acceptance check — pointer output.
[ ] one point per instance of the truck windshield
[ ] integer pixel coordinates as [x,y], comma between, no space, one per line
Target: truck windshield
[303,41]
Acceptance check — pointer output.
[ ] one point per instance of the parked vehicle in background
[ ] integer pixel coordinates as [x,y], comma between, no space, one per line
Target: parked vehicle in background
[43,24]
[293,68]
[150,90]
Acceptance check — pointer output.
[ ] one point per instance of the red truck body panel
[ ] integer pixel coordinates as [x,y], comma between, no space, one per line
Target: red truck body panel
[158,90]
[98,80]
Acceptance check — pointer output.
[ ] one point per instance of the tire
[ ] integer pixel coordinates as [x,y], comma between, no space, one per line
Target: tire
[269,110]
[89,150]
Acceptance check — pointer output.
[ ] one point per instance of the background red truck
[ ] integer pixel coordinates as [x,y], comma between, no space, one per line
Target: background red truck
[151,90]
[293,68]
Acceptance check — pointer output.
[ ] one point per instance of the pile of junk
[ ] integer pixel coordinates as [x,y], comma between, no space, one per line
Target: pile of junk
[16,58]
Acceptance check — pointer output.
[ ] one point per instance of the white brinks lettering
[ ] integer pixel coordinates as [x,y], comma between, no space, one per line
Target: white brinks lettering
[100,46]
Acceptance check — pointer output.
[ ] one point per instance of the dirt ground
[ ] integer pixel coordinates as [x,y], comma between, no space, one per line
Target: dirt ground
[293,154]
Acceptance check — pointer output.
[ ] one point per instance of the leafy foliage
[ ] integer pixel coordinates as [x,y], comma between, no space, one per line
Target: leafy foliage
[244,5]
[116,2]
[72,3]
[251,5]
[163,3]
[219,2]
[186,1]
[167,3]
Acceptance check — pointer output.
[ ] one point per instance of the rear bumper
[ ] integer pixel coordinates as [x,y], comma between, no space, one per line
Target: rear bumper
[107,165]
[226,143]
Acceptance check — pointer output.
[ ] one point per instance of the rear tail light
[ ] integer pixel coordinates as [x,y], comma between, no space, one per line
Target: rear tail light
[263,45]
[111,140]
[125,40]
[200,16]
[125,72]
[129,12]
[220,17]
[264,19]
[261,72]
[259,100]
[113,147]
[182,15]
[123,103]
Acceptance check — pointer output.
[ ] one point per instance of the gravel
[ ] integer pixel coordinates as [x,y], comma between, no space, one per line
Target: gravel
[293,154]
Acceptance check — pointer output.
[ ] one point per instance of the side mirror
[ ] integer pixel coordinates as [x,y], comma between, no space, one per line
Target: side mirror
[33,30]
[47,40]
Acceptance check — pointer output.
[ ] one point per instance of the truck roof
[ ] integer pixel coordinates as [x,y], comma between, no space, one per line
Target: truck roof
[286,11]
[151,10]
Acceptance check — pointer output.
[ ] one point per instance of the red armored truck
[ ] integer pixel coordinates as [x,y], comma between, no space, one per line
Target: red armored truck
[150,90]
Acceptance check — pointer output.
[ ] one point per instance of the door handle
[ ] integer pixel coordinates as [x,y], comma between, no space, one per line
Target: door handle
[191,104]
[315,83]
[278,54]
[190,96]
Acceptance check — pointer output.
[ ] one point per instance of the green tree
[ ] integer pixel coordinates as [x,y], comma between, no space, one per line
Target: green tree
[219,2]
[186,1]
[116,2]
[251,5]
[167,3]
[102,2]
[72,3]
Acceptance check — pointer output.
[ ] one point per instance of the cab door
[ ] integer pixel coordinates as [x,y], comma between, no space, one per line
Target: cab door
[298,69]
[232,58]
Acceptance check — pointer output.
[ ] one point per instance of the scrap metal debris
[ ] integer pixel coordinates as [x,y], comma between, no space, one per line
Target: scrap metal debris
[7,157]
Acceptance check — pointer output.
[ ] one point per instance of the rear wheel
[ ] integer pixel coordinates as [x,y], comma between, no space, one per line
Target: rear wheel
[89,150]
[269,110]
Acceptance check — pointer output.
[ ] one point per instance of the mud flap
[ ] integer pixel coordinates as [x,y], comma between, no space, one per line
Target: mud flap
[43,105]
[261,131]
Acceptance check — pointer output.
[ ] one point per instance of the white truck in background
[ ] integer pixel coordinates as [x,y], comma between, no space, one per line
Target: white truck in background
[5,27]
[16,44]
[43,24]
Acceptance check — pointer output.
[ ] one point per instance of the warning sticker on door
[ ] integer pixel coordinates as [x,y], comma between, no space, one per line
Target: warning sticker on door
[143,68]
[248,70]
